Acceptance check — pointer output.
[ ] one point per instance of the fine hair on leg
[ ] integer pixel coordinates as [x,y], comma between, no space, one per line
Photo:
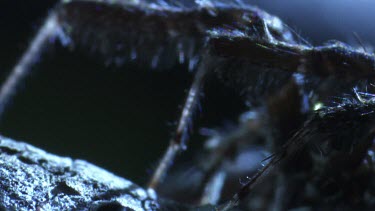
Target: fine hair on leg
[47,31]
[178,142]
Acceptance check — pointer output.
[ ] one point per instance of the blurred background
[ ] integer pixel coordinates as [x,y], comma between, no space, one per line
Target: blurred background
[121,118]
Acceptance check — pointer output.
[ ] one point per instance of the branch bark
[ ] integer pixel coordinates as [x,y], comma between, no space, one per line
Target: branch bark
[32,179]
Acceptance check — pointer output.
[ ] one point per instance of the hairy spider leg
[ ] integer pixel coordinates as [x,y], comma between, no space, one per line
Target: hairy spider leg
[50,29]
[178,142]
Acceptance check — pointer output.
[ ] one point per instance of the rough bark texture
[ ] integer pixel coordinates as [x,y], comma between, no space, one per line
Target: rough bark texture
[31,179]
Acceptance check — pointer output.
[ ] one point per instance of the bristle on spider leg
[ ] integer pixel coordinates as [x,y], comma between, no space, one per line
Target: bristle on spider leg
[248,186]
[178,142]
[48,30]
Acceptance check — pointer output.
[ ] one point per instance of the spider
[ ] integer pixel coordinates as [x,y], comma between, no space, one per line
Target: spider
[240,45]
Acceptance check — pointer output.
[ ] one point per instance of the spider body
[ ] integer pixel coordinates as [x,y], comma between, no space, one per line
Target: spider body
[245,47]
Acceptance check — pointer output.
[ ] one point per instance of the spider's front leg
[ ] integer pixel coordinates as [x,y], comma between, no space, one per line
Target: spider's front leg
[178,142]
[50,29]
